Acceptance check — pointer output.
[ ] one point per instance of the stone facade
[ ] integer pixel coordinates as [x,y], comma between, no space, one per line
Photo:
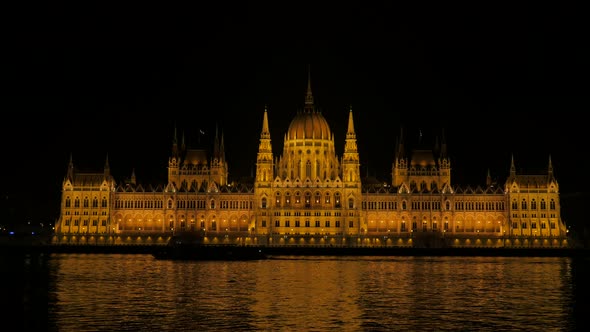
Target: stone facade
[311,196]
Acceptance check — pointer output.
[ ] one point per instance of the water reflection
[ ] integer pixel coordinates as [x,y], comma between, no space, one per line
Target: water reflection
[69,292]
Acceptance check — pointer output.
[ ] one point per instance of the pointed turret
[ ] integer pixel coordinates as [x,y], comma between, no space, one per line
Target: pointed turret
[512,167]
[550,176]
[222,148]
[350,132]
[70,172]
[400,152]
[265,131]
[216,144]
[443,145]
[107,168]
[308,96]
[175,151]
[350,159]
[489,179]
[399,169]
[264,160]
[133,179]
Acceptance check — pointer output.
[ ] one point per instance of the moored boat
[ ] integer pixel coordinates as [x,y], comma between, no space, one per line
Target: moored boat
[191,247]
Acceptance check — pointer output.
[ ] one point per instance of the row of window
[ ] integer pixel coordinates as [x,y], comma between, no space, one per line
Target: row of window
[307,213]
[524,225]
[85,213]
[85,222]
[524,205]
[307,223]
[533,215]
[86,202]
[433,205]
[247,205]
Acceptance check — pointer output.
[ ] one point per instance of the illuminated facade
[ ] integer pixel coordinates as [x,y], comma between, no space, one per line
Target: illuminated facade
[311,196]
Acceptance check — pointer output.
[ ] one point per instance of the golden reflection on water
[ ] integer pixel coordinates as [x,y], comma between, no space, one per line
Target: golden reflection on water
[137,292]
[313,293]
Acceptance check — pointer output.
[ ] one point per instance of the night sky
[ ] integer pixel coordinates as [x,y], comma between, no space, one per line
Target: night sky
[500,82]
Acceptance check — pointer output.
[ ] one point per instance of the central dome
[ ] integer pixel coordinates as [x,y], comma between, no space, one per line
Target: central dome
[309,125]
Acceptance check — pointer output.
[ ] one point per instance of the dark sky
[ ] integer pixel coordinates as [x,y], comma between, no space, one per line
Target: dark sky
[499,81]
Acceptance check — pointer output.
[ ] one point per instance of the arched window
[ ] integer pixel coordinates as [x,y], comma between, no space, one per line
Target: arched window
[308,169]
[77,202]
[68,202]
[86,202]
[337,200]
[307,199]
[533,204]
[95,202]
[317,168]
[212,204]
[543,205]
[351,203]
[103,203]
[552,205]
[523,204]
[263,203]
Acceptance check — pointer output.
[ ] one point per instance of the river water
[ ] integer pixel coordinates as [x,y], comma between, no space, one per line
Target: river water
[117,292]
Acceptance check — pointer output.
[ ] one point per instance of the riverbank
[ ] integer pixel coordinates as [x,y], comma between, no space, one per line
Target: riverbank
[311,250]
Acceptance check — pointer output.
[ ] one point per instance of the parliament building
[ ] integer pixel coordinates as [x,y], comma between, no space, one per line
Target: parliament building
[310,196]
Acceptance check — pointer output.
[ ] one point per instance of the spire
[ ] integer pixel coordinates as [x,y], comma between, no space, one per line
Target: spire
[489,178]
[216,143]
[264,159]
[512,167]
[107,168]
[175,143]
[309,96]
[133,180]
[70,173]
[550,169]
[350,159]
[265,131]
[350,130]
[222,148]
